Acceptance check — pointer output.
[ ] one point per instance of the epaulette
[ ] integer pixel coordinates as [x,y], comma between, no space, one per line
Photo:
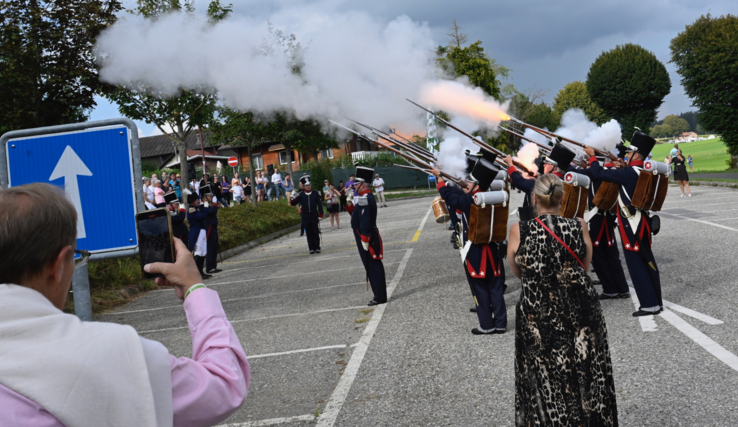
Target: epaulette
[193,209]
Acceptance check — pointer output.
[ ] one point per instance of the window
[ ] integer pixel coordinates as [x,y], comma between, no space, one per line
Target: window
[257,161]
[326,154]
[283,157]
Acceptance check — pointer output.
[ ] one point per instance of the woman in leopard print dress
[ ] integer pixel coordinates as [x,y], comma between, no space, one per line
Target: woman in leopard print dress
[563,373]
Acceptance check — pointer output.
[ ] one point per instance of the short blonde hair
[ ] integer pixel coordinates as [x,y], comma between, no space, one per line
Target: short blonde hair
[549,190]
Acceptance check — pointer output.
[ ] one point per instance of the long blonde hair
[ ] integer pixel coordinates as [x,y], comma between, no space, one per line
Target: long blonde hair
[549,190]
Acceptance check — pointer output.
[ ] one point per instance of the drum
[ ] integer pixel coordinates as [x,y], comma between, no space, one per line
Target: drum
[440,211]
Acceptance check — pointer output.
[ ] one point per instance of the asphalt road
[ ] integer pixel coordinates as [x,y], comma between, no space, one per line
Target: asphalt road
[314,346]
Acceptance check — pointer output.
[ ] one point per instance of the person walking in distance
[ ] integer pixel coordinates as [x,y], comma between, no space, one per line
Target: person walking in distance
[331,203]
[179,214]
[689,161]
[366,234]
[288,187]
[311,211]
[378,185]
[196,216]
[211,229]
[680,173]
[277,184]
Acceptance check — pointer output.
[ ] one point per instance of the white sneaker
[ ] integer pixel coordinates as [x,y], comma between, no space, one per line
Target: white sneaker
[690,195]
[682,195]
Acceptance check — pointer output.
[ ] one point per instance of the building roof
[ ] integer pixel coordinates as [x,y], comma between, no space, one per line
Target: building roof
[161,145]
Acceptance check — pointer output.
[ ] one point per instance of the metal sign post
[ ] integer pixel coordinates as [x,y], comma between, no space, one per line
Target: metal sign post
[70,156]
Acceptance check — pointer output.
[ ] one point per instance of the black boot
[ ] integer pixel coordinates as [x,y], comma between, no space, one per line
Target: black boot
[200,262]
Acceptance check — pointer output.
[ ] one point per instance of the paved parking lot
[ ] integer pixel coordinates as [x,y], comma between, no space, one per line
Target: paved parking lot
[316,348]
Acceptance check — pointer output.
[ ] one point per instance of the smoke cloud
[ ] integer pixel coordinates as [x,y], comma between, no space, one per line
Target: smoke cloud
[576,126]
[352,64]
[527,155]
[451,156]
[459,98]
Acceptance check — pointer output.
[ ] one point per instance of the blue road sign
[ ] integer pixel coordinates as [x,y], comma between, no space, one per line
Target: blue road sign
[431,178]
[95,169]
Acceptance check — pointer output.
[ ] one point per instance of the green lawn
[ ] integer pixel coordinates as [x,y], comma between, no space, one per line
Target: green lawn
[709,155]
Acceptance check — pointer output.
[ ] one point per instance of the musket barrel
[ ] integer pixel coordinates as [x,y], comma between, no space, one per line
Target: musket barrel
[551,134]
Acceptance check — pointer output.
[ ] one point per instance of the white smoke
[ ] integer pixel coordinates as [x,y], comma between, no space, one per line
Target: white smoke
[353,65]
[576,126]
[451,156]
[537,137]
[459,98]
[527,156]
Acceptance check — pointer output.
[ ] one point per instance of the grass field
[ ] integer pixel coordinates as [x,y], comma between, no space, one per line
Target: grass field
[709,155]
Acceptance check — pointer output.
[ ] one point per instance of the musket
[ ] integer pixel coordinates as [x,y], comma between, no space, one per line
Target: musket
[479,143]
[553,135]
[510,131]
[412,159]
[408,146]
[455,180]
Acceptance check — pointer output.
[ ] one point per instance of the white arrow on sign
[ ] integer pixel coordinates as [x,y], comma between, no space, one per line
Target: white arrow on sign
[69,167]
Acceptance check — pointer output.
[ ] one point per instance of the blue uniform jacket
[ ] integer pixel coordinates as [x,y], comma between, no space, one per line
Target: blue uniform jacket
[603,223]
[212,217]
[179,228]
[196,217]
[364,222]
[482,260]
[636,235]
[311,205]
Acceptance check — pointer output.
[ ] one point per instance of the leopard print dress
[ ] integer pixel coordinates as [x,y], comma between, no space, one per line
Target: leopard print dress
[563,373]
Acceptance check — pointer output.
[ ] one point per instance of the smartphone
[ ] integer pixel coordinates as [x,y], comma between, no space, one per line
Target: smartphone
[155,241]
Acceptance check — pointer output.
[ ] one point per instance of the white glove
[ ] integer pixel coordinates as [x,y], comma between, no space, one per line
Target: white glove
[206,204]
[365,245]
[172,213]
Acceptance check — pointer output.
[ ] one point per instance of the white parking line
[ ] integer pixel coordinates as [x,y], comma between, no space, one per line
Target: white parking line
[330,310]
[304,350]
[701,221]
[648,324]
[143,310]
[703,340]
[691,313]
[271,422]
[330,414]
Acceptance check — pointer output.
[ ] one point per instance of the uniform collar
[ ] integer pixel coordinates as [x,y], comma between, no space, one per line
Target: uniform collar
[366,191]
[636,163]
[560,175]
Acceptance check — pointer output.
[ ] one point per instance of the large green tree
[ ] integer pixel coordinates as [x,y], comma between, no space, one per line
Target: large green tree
[675,125]
[629,83]
[48,75]
[178,116]
[575,95]
[706,56]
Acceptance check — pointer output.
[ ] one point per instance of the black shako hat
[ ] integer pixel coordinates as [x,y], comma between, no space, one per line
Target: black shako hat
[192,197]
[171,197]
[305,180]
[364,174]
[206,190]
[641,144]
[560,156]
[483,174]
[471,160]
[539,161]
[488,156]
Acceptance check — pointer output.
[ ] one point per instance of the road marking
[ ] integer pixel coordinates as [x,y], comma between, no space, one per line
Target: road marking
[701,221]
[304,350]
[691,313]
[330,414]
[702,206]
[648,324]
[422,223]
[143,310]
[703,340]
[307,255]
[271,422]
[330,310]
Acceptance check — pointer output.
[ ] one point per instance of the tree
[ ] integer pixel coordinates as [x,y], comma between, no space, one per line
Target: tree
[575,95]
[48,75]
[473,62]
[242,130]
[675,125]
[184,113]
[629,83]
[661,131]
[455,37]
[705,57]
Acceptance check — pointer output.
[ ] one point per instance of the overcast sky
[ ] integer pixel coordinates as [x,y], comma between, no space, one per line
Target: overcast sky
[547,44]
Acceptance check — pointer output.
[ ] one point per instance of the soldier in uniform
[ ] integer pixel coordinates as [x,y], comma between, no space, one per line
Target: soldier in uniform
[196,216]
[605,253]
[482,262]
[211,229]
[634,224]
[557,162]
[311,210]
[366,234]
[179,214]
